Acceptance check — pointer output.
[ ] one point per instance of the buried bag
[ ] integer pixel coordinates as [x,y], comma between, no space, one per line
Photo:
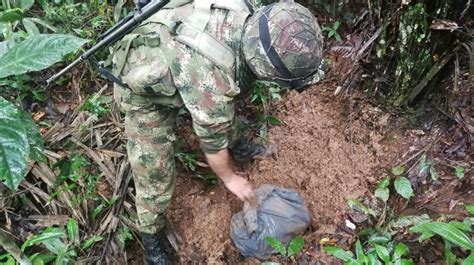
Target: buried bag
[280,213]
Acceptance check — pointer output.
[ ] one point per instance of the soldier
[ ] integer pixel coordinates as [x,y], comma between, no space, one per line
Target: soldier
[202,55]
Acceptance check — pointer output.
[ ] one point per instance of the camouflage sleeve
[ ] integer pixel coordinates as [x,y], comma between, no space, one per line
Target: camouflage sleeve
[207,93]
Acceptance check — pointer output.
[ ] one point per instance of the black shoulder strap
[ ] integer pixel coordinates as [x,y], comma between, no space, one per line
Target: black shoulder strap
[267,44]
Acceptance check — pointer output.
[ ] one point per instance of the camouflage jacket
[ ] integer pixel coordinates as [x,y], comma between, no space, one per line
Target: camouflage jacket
[157,68]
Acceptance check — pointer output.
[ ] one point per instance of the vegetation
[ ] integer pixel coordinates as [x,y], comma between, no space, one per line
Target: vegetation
[71,165]
[294,247]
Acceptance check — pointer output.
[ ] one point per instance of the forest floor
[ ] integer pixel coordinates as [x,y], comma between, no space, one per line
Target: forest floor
[330,149]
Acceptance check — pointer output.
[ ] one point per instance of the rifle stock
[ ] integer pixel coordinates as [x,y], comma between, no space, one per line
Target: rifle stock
[115,33]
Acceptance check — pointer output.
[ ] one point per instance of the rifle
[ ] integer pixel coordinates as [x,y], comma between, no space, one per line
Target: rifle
[124,26]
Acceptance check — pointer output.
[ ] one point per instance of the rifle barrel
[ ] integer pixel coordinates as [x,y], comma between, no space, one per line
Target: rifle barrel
[146,12]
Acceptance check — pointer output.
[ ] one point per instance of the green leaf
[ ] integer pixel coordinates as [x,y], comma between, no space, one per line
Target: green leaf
[296,245]
[26,4]
[433,173]
[37,53]
[403,187]
[357,205]
[90,241]
[459,172]
[382,193]
[47,234]
[405,262]
[398,170]
[409,220]
[276,245]
[11,15]
[19,139]
[339,253]
[447,232]
[41,259]
[449,257]
[384,183]
[359,251]
[382,252]
[400,250]
[273,120]
[461,226]
[373,260]
[43,23]
[469,260]
[30,27]
[470,208]
[72,230]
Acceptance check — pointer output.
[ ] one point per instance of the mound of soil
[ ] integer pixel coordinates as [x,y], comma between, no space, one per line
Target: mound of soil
[324,153]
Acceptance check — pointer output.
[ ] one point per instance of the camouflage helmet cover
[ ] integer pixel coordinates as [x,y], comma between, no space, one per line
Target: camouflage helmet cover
[283,42]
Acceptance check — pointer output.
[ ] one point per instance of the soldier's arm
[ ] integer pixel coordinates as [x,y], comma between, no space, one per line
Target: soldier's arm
[220,164]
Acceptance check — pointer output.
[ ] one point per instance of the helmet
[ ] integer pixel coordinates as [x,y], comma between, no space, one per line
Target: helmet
[283,42]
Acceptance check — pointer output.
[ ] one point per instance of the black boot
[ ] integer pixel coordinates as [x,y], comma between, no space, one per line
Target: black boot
[244,151]
[154,250]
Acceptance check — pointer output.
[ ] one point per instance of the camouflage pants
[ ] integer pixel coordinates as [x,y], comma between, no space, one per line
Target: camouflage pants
[161,78]
[149,128]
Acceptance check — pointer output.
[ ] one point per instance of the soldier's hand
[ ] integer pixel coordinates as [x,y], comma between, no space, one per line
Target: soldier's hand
[241,188]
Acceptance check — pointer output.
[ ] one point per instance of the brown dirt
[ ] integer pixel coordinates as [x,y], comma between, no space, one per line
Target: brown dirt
[327,152]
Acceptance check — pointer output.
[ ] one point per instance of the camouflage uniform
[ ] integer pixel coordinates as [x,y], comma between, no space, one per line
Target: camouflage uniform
[177,58]
[161,75]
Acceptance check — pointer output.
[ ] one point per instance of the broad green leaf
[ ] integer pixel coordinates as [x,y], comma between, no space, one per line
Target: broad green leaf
[55,245]
[422,165]
[90,241]
[461,226]
[273,120]
[27,4]
[11,15]
[30,27]
[373,259]
[384,183]
[447,232]
[398,170]
[296,245]
[400,250]
[404,262]
[6,45]
[459,172]
[41,259]
[383,253]
[379,239]
[382,193]
[359,251]
[470,208]
[449,257]
[43,23]
[72,230]
[357,205]
[37,53]
[276,245]
[19,139]
[409,220]
[469,260]
[339,253]
[403,187]
[47,234]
